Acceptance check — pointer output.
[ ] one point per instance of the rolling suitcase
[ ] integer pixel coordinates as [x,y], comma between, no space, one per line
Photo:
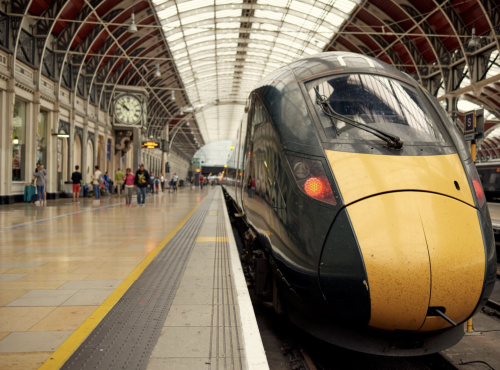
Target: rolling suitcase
[30,190]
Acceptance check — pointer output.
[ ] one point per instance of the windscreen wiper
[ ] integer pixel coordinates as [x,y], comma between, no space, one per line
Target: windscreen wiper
[393,141]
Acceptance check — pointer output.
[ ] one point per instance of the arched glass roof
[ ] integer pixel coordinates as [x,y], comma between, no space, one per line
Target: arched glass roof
[223,48]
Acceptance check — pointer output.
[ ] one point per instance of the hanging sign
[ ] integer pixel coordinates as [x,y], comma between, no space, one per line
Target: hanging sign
[150,145]
[474,125]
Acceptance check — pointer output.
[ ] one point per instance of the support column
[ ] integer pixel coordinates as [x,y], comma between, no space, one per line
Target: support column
[51,184]
[453,108]
[6,115]
[85,148]
[136,147]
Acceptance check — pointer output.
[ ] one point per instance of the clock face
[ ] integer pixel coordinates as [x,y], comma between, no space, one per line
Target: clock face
[128,109]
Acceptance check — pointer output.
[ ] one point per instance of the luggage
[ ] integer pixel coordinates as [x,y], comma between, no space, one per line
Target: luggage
[29,191]
[34,197]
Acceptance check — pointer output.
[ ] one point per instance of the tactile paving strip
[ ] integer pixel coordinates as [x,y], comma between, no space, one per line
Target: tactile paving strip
[225,335]
[125,338]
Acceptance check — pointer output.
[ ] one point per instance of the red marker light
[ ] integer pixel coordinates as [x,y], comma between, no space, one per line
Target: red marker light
[479,192]
[315,188]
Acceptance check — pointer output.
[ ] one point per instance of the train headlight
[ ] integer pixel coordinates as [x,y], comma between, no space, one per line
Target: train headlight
[311,178]
[301,170]
[479,192]
[476,184]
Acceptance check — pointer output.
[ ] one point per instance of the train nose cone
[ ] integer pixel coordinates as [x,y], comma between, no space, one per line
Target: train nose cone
[420,250]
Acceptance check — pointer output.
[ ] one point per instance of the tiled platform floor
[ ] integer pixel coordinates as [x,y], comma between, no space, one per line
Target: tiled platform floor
[59,263]
[203,329]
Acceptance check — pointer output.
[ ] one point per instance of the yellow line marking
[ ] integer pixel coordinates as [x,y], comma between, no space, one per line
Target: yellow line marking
[61,355]
[212,239]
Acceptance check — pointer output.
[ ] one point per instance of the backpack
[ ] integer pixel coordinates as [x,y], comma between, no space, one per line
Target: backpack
[157,181]
[101,179]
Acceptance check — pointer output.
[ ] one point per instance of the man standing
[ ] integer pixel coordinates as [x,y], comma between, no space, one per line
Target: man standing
[97,180]
[162,181]
[141,183]
[152,182]
[119,181]
[76,177]
[175,178]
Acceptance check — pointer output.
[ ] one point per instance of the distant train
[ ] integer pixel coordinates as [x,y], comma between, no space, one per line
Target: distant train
[489,173]
[373,227]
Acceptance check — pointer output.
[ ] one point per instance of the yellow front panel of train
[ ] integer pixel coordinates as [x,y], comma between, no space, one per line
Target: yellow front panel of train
[420,249]
[392,242]
[457,257]
[362,175]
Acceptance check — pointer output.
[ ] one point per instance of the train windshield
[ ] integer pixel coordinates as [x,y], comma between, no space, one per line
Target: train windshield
[379,102]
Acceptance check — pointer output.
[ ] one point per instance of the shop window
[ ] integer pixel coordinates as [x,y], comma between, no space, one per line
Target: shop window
[42,138]
[19,141]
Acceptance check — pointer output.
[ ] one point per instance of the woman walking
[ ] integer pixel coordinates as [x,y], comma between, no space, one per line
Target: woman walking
[129,186]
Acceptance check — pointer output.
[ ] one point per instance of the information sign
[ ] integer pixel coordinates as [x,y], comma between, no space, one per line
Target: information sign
[469,123]
[150,145]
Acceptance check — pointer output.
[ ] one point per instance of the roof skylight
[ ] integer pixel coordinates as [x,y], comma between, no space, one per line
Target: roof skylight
[222,48]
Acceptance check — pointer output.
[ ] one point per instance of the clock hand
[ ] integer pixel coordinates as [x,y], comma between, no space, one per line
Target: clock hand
[125,108]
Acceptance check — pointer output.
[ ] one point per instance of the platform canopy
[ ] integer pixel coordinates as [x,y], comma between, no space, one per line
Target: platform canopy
[208,54]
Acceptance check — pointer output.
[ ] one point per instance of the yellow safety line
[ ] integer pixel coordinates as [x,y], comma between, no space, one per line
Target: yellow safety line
[61,355]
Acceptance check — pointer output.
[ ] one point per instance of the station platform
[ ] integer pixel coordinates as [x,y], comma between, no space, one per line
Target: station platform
[110,287]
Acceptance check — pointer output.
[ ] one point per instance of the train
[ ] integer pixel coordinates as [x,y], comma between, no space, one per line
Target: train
[489,172]
[366,220]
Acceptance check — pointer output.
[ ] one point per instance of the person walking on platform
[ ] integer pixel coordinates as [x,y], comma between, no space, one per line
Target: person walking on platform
[119,181]
[97,180]
[152,182]
[141,182]
[191,182]
[40,177]
[76,177]
[106,183]
[202,180]
[162,181]
[175,179]
[129,187]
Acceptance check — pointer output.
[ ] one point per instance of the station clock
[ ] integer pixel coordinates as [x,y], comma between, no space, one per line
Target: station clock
[128,110]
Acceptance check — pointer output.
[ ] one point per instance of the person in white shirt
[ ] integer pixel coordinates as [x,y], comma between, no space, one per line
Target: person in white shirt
[175,178]
[95,182]
[162,181]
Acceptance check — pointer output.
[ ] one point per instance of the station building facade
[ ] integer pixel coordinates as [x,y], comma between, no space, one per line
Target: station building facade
[43,122]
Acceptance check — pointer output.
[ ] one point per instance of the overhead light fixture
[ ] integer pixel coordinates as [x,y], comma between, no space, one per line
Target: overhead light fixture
[157,72]
[60,135]
[172,97]
[15,141]
[132,28]
[474,41]
[187,123]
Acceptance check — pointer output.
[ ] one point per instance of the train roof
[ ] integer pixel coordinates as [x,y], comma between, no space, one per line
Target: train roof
[324,64]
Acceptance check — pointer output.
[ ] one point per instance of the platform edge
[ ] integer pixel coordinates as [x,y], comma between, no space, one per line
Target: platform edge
[255,355]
